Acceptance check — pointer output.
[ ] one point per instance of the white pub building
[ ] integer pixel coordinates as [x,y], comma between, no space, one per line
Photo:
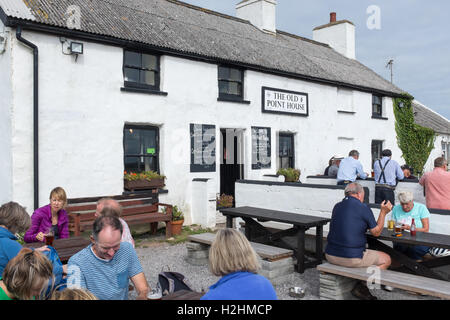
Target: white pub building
[90,89]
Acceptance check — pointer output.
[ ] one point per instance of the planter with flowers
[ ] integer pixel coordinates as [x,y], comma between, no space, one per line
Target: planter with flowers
[143,180]
[177,220]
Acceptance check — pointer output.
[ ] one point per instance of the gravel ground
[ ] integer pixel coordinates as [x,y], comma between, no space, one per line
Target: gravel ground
[155,257]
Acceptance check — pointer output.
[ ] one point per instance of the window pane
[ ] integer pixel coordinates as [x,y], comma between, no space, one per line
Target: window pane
[224,73]
[132,141]
[150,164]
[235,75]
[132,164]
[148,77]
[284,162]
[376,100]
[234,88]
[149,62]
[148,140]
[285,146]
[132,59]
[223,86]
[131,75]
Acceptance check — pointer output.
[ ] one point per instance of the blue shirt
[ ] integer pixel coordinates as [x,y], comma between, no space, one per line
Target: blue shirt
[350,220]
[241,286]
[418,212]
[107,280]
[349,169]
[392,172]
[9,248]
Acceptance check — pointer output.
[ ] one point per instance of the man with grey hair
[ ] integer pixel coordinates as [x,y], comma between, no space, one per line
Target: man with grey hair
[404,213]
[346,242]
[349,169]
[437,185]
[106,266]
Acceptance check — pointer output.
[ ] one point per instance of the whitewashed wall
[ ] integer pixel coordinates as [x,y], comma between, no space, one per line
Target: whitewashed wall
[83,112]
[436,152]
[414,187]
[6,119]
[310,201]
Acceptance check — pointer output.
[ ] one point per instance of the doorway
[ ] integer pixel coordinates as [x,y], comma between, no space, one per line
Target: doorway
[232,159]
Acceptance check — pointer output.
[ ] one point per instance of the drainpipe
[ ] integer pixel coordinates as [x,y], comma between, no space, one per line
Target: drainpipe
[35,114]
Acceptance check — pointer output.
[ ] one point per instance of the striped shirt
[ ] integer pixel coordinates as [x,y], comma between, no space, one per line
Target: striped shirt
[107,280]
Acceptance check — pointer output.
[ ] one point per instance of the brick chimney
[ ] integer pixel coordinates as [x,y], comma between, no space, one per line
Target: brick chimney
[340,35]
[260,13]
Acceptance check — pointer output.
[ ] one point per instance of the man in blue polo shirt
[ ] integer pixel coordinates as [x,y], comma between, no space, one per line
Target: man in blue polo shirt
[346,242]
[349,169]
[106,266]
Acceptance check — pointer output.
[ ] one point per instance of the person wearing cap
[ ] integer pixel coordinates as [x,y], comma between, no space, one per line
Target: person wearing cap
[349,169]
[387,171]
[333,170]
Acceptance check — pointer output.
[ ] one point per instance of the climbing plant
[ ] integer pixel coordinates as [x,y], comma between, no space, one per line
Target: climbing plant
[415,141]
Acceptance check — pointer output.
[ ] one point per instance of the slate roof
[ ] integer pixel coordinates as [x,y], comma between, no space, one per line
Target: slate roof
[430,119]
[193,30]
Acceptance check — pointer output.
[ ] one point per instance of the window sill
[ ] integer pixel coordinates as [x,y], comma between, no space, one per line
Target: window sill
[141,90]
[233,100]
[346,112]
[379,117]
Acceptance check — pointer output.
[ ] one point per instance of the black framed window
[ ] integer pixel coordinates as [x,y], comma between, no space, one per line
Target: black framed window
[286,151]
[377,148]
[141,70]
[141,148]
[231,83]
[377,106]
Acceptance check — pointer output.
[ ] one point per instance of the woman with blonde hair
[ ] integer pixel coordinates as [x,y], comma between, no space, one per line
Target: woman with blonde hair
[25,276]
[50,218]
[73,294]
[232,257]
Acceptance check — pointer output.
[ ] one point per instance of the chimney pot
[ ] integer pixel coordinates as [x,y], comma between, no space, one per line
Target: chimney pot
[332,17]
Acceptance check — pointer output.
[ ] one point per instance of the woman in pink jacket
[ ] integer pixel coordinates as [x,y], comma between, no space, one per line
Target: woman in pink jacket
[51,217]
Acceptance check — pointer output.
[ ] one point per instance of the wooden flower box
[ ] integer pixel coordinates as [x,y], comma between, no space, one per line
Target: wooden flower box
[142,184]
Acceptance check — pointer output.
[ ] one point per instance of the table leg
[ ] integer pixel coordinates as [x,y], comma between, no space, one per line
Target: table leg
[319,243]
[409,263]
[229,222]
[301,250]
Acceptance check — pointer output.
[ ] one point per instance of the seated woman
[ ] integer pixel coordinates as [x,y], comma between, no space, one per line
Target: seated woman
[405,212]
[73,294]
[51,217]
[13,219]
[232,257]
[25,276]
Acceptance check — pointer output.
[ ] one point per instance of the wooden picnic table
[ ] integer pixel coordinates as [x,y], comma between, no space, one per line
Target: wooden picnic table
[65,248]
[183,295]
[423,268]
[256,232]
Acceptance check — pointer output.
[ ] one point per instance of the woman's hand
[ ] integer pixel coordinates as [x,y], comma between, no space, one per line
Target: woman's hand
[40,236]
[42,249]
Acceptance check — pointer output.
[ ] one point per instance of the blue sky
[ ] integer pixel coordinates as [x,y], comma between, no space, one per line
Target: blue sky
[414,33]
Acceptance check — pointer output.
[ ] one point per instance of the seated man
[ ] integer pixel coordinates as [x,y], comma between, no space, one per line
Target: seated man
[105,266]
[333,170]
[347,236]
[350,168]
[437,185]
[407,172]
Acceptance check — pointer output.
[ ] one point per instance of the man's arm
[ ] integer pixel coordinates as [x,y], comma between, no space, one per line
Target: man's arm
[141,285]
[386,207]
[359,170]
[399,172]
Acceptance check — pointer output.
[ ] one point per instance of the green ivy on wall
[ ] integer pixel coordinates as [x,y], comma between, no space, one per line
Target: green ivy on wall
[415,141]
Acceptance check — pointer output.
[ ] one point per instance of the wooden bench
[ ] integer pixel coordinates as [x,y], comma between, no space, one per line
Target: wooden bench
[135,210]
[266,252]
[400,280]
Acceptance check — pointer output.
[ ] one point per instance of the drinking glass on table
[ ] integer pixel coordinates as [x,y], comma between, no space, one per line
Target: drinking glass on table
[398,228]
[49,237]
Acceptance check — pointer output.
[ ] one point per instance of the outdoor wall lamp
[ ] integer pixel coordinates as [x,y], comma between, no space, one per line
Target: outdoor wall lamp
[401,104]
[76,47]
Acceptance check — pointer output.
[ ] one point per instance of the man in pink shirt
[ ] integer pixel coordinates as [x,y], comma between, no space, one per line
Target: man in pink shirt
[437,185]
